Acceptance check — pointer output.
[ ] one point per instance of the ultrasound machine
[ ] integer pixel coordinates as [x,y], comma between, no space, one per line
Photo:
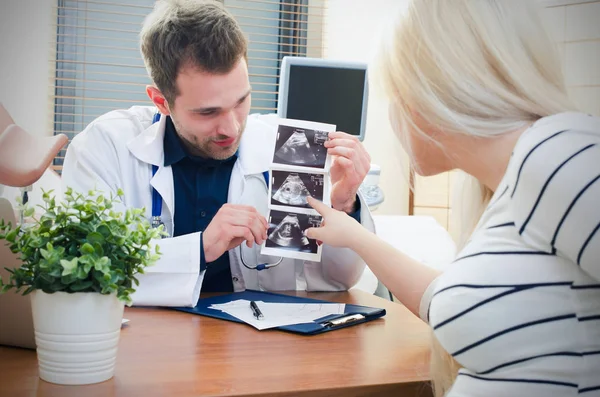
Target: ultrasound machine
[333,92]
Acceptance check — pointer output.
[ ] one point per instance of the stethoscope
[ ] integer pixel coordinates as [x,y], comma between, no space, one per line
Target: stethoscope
[157,214]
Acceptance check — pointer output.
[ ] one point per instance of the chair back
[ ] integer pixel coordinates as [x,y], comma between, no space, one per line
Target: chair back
[24,157]
[16,319]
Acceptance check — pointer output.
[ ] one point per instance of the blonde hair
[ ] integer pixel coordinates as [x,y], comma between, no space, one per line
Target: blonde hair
[473,67]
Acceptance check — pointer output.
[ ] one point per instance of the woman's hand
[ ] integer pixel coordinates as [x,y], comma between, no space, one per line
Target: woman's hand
[406,278]
[337,229]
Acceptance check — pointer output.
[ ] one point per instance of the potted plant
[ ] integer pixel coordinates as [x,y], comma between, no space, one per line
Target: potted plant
[79,259]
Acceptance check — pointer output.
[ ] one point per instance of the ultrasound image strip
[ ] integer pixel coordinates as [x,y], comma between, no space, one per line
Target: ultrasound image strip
[299,170]
[286,233]
[292,189]
[300,147]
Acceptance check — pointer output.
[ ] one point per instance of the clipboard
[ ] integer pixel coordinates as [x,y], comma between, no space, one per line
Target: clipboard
[353,314]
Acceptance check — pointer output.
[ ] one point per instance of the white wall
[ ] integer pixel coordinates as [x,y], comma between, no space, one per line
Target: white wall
[352,28]
[26,32]
[576,28]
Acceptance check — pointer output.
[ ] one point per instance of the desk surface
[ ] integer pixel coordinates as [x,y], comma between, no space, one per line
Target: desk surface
[169,353]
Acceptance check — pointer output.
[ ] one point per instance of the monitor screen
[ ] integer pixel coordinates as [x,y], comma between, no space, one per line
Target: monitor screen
[325,93]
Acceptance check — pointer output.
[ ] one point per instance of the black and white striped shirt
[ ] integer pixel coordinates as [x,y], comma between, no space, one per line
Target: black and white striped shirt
[519,308]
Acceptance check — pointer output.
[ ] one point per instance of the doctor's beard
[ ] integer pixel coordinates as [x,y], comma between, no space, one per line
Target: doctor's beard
[206,147]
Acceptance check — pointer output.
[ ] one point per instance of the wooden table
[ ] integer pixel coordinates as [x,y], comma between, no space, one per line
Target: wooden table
[168,353]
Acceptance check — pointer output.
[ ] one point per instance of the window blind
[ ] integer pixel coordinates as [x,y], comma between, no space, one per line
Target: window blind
[98,66]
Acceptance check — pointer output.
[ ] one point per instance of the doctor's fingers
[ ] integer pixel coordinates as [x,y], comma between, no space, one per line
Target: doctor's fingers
[352,172]
[243,211]
[236,232]
[360,159]
[239,207]
[350,142]
[341,135]
[253,223]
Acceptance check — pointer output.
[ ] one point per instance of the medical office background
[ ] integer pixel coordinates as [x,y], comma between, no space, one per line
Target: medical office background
[33,34]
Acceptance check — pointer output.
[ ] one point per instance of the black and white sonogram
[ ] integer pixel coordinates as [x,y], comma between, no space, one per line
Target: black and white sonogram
[300,146]
[286,231]
[292,189]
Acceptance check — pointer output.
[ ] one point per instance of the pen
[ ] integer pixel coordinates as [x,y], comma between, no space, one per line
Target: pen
[255,310]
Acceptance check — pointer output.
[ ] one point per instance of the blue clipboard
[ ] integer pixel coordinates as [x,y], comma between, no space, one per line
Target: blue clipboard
[354,314]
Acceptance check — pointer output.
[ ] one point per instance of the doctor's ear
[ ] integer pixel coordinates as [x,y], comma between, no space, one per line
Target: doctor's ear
[158,99]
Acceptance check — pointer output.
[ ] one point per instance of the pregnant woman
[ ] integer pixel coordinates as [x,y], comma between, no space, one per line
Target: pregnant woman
[476,85]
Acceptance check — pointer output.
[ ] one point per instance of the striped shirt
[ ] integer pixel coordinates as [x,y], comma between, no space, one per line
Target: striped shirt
[519,308]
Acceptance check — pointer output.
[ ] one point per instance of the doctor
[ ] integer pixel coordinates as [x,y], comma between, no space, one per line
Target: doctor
[196,162]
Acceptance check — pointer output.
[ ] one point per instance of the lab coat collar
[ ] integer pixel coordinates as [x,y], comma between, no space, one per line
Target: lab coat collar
[148,146]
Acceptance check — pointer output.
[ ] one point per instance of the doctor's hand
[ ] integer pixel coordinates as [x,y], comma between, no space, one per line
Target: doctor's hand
[231,226]
[338,229]
[350,166]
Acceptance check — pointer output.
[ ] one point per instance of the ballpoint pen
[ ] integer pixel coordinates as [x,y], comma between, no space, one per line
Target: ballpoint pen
[255,310]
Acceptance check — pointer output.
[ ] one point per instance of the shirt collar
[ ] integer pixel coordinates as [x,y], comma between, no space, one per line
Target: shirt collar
[175,151]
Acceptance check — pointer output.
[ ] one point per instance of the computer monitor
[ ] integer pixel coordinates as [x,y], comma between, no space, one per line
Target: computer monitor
[326,91]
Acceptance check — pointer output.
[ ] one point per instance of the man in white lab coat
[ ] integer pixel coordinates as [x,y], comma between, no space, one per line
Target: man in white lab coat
[197,161]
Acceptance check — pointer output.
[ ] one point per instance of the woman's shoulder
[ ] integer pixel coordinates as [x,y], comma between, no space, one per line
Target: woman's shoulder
[550,151]
[554,135]
[554,179]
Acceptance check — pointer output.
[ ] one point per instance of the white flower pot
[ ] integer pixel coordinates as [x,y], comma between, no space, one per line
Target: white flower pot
[77,336]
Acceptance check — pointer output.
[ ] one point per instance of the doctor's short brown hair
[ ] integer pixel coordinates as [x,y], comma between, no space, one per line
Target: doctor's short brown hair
[200,34]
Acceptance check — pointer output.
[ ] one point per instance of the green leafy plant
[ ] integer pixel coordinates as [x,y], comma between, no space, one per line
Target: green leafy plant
[81,245]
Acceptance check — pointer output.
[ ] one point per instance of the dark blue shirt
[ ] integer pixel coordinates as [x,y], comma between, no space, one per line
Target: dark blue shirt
[201,187]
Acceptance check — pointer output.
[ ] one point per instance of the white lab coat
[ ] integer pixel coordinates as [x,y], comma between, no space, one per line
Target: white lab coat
[118,149]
